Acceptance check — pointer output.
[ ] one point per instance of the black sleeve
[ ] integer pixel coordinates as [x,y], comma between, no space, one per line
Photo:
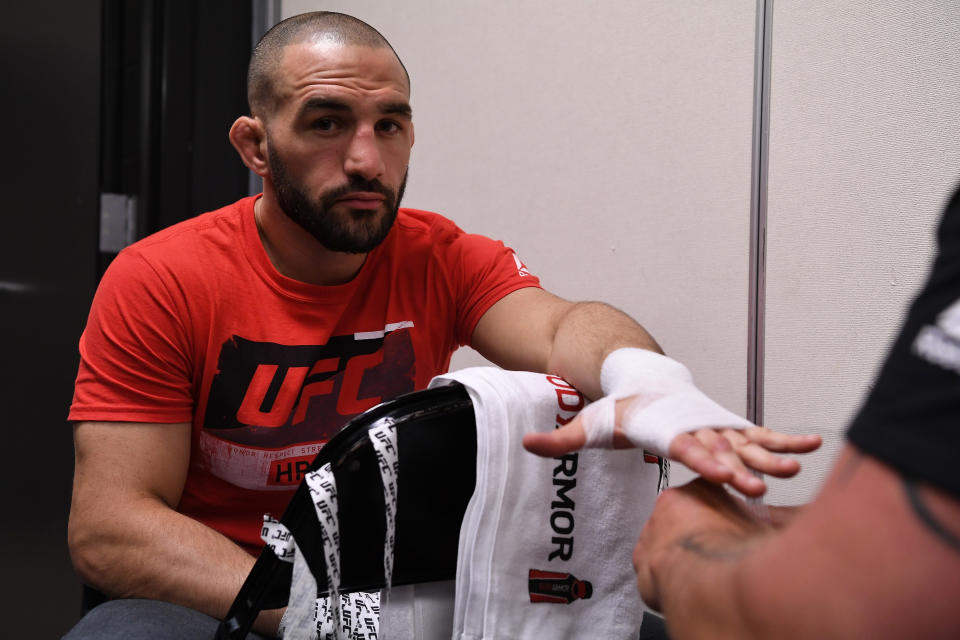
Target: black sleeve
[911,419]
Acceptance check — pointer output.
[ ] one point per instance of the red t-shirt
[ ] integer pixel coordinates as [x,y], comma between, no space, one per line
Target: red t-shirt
[194,324]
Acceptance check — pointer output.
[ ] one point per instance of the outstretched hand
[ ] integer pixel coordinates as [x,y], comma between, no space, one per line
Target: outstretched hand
[719,455]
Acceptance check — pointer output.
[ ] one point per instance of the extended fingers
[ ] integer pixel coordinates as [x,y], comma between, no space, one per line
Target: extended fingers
[757,457]
[686,448]
[760,459]
[743,479]
[728,447]
[782,442]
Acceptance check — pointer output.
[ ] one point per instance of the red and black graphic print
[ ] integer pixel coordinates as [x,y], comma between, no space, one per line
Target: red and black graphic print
[271,407]
[556,587]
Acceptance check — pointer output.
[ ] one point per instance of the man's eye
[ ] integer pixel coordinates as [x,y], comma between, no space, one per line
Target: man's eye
[388,126]
[324,124]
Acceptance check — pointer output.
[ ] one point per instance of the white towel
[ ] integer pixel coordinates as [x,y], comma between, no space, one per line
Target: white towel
[538,529]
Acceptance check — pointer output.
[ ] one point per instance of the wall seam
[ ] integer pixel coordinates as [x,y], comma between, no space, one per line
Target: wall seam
[758,211]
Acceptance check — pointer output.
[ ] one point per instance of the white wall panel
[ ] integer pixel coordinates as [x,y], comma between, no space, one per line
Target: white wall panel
[864,148]
[610,145]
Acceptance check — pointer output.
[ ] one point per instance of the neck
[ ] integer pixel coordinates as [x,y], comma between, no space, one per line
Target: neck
[295,253]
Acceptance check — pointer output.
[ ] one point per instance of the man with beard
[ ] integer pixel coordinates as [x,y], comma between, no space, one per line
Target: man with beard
[221,353]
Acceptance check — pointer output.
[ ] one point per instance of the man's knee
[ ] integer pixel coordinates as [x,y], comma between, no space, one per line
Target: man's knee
[136,618]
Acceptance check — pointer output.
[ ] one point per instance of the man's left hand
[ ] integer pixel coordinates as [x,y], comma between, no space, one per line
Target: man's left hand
[719,455]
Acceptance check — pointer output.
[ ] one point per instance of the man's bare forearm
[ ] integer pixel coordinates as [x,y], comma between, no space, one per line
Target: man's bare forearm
[534,330]
[126,537]
[162,555]
[700,589]
[586,333]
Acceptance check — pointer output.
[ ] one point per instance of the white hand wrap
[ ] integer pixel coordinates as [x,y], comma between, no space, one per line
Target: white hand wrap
[667,402]
[598,422]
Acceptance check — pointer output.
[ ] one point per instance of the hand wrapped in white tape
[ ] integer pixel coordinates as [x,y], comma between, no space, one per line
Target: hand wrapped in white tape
[666,403]
[661,410]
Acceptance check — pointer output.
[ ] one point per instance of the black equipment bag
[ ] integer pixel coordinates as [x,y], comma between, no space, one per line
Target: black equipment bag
[437,451]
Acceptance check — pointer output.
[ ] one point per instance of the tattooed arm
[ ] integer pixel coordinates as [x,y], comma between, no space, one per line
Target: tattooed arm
[874,556]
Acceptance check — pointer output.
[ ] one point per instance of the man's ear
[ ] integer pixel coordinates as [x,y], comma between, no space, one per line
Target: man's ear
[249,137]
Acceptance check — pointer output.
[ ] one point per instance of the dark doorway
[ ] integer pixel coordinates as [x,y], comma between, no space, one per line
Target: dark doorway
[174,81]
[104,96]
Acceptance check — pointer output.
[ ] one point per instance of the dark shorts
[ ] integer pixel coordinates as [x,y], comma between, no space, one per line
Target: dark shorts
[146,619]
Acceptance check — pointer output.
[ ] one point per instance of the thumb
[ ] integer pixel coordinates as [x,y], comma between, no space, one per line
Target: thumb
[550,444]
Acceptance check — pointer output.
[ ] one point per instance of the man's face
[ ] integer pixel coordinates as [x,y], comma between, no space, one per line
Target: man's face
[358,230]
[338,143]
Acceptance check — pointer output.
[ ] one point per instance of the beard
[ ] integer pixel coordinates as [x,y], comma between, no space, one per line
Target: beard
[350,232]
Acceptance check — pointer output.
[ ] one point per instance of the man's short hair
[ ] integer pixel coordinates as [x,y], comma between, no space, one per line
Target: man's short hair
[330,26]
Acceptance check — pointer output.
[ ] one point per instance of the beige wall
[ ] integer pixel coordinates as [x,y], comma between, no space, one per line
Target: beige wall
[864,149]
[611,148]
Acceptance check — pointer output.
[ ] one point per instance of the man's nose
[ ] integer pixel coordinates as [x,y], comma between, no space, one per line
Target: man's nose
[363,155]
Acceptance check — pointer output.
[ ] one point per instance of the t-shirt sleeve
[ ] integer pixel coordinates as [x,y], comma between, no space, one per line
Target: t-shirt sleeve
[134,351]
[911,419]
[484,271]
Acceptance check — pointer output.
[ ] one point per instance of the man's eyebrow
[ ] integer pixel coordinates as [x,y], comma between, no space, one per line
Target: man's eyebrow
[324,104]
[400,108]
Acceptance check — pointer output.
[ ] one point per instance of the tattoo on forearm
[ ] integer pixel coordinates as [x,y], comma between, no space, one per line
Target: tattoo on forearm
[927,517]
[708,546]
